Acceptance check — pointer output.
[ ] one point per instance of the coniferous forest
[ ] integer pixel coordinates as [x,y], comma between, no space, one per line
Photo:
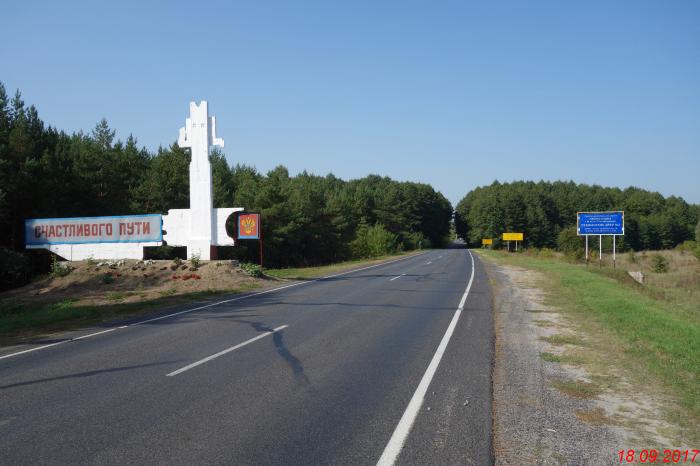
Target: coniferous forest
[546,213]
[307,219]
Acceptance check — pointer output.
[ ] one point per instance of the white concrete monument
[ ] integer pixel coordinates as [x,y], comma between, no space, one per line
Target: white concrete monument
[200,228]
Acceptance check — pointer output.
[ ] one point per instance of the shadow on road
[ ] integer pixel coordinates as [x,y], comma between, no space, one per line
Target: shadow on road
[80,375]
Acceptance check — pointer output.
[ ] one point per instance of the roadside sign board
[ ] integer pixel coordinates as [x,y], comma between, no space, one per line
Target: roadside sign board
[512,236]
[486,241]
[248,226]
[83,230]
[600,223]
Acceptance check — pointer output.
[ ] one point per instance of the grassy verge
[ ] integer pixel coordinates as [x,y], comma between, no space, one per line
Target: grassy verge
[308,273]
[659,343]
[20,321]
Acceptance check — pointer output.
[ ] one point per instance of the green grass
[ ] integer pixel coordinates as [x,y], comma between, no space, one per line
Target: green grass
[308,273]
[577,388]
[563,340]
[116,296]
[561,358]
[551,357]
[662,343]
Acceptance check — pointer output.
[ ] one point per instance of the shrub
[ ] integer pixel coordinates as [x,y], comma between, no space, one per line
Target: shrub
[373,241]
[58,269]
[107,278]
[254,270]
[195,261]
[416,240]
[659,263]
[570,243]
[15,269]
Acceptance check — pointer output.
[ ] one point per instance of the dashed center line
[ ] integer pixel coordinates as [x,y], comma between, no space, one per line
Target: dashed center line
[399,276]
[227,350]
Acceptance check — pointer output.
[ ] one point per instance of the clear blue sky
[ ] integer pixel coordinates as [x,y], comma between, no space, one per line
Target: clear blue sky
[455,94]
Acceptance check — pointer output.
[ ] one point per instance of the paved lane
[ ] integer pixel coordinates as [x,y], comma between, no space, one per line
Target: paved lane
[320,373]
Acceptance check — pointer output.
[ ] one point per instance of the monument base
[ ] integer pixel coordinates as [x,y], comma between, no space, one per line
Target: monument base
[202,248]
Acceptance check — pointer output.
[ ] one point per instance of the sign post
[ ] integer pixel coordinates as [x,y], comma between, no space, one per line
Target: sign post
[600,224]
[508,237]
[248,226]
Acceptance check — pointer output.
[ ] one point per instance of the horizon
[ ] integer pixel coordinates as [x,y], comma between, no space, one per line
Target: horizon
[455,96]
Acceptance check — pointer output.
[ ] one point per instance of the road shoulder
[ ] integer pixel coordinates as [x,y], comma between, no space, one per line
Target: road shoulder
[534,422]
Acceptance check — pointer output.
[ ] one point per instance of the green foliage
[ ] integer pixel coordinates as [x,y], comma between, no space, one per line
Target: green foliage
[15,269]
[307,219]
[254,270]
[107,278]
[569,243]
[195,261]
[374,241]
[659,263]
[542,210]
[59,269]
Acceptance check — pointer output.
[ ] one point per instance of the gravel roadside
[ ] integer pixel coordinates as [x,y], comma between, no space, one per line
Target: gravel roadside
[535,423]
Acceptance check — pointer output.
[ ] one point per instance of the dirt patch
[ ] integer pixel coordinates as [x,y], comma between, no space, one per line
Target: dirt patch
[98,283]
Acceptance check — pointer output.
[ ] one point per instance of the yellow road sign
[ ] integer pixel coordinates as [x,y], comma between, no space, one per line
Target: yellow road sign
[512,236]
[486,241]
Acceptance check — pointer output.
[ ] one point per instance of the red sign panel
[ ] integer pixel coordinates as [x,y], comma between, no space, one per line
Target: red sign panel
[248,226]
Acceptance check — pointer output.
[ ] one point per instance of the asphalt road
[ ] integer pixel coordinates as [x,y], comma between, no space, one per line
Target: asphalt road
[376,363]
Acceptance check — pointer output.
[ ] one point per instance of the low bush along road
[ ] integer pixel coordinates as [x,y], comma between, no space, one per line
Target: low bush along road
[388,363]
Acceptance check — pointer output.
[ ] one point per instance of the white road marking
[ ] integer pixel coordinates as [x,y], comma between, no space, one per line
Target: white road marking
[227,350]
[93,334]
[399,276]
[393,448]
[212,304]
[429,262]
[33,349]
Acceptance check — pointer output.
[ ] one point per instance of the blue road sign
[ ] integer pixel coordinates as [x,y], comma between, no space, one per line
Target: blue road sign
[600,223]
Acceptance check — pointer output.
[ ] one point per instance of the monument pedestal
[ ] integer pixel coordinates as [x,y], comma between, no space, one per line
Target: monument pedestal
[202,248]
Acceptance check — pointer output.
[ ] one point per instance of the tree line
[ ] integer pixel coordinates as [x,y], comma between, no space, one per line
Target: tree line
[546,213]
[307,219]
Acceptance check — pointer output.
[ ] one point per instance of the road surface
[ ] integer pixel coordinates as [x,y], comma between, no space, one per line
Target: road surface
[386,364]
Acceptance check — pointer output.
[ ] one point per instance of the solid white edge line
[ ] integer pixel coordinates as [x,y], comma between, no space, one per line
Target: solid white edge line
[94,334]
[214,304]
[396,442]
[34,349]
[227,350]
